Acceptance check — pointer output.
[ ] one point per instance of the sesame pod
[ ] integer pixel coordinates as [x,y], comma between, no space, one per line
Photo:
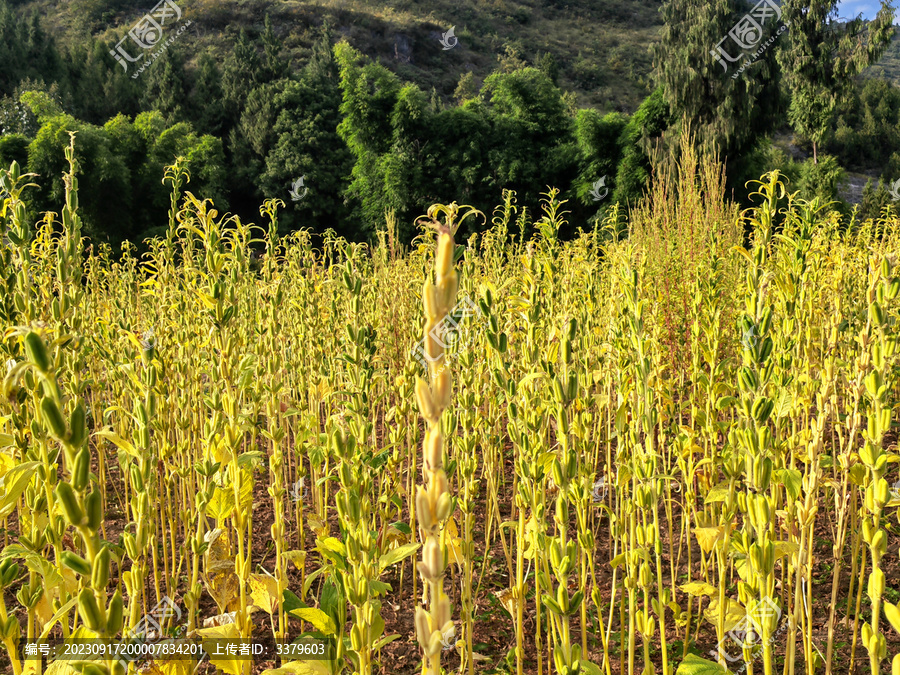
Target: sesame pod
[895,666]
[37,352]
[426,404]
[348,282]
[75,563]
[69,503]
[572,385]
[53,417]
[90,611]
[443,258]
[572,327]
[100,570]
[137,480]
[93,507]
[876,584]
[78,426]
[115,616]
[82,469]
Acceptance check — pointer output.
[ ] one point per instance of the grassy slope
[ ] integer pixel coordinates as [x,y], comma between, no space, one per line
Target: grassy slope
[602,48]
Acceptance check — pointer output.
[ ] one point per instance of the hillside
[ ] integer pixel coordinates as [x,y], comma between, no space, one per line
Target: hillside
[602,49]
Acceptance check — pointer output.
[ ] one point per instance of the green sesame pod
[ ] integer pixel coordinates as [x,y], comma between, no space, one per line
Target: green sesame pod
[90,611]
[69,503]
[100,570]
[75,563]
[82,471]
[137,481]
[53,417]
[115,615]
[37,352]
[93,506]
[78,425]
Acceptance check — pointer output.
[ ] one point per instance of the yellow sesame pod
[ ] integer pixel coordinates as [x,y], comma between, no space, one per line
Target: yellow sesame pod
[876,584]
[426,404]
[442,389]
[69,503]
[53,417]
[879,542]
[443,258]
[36,351]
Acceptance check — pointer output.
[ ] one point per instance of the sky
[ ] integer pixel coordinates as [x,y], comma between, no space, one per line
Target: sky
[851,8]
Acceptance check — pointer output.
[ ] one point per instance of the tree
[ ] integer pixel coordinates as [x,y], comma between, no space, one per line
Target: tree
[820,57]
[207,108]
[307,144]
[164,88]
[699,39]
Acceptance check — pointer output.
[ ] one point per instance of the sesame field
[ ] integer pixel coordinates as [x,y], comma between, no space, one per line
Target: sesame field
[664,444]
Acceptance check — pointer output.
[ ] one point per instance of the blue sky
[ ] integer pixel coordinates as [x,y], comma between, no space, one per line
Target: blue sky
[851,8]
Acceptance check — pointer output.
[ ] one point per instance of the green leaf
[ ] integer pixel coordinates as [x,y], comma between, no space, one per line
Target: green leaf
[317,618]
[694,665]
[331,602]
[289,601]
[402,527]
[396,555]
[792,480]
[379,587]
[589,668]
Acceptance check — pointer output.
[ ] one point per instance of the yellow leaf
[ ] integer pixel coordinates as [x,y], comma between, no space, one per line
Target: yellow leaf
[734,613]
[507,598]
[229,663]
[170,667]
[299,668]
[298,558]
[317,618]
[783,548]
[697,588]
[264,591]
[708,536]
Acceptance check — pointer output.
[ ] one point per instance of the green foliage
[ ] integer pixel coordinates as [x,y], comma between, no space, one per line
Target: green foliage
[726,114]
[820,57]
[638,140]
[306,143]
